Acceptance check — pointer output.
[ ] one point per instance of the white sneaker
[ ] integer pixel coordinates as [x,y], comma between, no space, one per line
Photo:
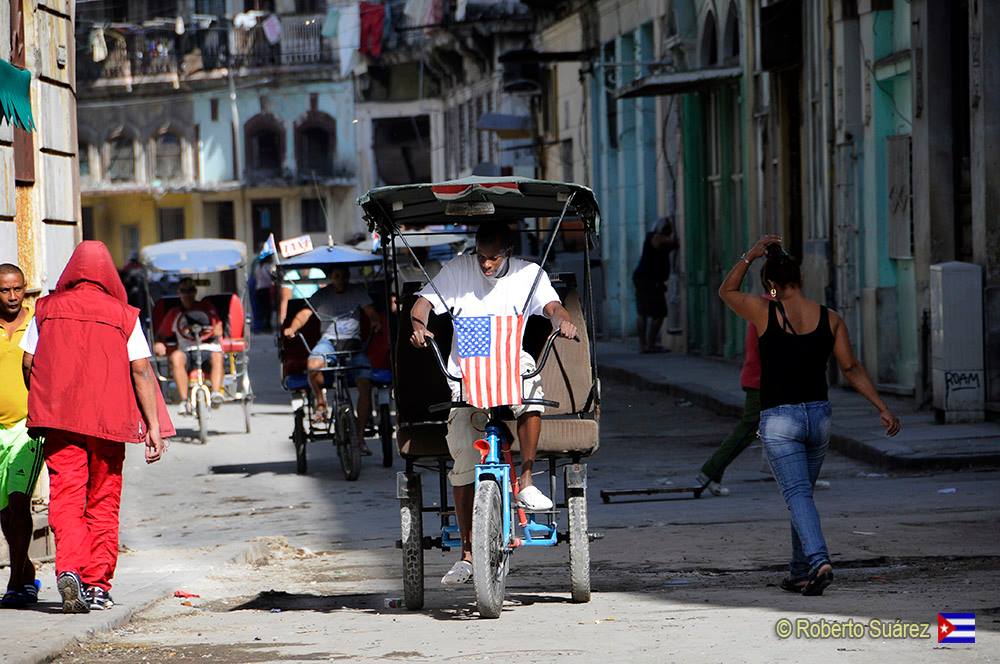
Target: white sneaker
[460,572]
[185,409]
[714,488]
[534,500]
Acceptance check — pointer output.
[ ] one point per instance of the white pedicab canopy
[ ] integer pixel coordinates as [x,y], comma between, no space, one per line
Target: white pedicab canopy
[196,256]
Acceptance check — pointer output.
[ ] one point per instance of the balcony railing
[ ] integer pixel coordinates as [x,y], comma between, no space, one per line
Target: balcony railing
[156,52]
[301,43]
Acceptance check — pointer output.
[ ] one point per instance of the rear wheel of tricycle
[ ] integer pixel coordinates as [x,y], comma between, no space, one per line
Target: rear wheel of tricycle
[201,410]
[489,555]
[299,440]
[346,440]
[385,433]
[579,545]
[411,525]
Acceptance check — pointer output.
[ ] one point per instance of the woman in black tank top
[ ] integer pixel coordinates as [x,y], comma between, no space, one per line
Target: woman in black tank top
[798,337]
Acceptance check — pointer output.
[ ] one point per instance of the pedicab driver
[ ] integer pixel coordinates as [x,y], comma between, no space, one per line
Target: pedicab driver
[489,283]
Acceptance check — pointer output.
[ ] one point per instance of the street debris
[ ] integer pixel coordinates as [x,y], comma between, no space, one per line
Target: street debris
[183,594]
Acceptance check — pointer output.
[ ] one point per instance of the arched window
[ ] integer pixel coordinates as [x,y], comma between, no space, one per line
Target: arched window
[731,37]
[316,151]
[83,157]
[265,146]
[709,43]
[315,144]
[168,157]
[121,158]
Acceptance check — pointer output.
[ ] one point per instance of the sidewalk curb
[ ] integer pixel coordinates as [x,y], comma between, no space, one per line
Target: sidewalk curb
[122,615]
[846,445]
[119,619]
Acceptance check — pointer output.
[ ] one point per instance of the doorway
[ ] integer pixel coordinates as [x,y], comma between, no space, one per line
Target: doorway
[265,216]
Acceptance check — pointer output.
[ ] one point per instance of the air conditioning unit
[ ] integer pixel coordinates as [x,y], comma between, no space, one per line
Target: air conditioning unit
[957,367]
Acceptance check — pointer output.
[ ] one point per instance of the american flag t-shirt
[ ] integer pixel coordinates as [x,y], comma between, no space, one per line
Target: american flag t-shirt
[489,356]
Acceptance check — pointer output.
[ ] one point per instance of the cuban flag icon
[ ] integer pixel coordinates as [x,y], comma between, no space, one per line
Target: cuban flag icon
[956,628]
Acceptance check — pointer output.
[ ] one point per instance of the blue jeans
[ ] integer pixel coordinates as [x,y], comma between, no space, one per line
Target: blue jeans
[359,364]
[795,439]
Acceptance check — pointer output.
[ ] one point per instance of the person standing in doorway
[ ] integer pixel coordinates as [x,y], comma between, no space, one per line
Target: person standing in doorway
[20,453]
[797,337]
[91,390]
[650,281]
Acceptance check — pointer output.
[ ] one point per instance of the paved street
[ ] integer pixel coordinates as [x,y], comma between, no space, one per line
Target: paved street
[292,568]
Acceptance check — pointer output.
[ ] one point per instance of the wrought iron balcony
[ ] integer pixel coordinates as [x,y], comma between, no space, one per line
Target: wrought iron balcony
[300,44]
[152,52]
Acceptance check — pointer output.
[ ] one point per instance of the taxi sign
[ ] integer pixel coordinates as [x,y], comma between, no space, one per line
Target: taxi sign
[295,246]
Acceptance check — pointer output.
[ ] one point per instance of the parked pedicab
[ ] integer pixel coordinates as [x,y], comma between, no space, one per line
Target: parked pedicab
[569,431]
[341,427]
[197,258]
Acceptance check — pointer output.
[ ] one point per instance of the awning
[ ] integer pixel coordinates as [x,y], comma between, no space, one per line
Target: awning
[681,82]
[505,125]
[15,97]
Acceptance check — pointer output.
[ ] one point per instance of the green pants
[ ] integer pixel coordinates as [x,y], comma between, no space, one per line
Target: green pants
[21,461]
[737,441]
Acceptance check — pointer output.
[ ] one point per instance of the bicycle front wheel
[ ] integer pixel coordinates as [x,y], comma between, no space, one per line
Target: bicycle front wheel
[489,553]
[346,441]
[201,410]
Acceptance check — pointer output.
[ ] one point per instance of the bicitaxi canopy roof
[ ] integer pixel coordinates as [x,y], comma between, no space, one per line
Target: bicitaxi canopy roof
[195,256]
[476,200]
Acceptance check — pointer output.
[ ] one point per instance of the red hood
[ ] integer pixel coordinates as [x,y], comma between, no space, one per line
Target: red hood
[91,263]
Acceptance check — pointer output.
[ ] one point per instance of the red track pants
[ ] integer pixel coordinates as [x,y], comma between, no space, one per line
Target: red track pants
[85,488]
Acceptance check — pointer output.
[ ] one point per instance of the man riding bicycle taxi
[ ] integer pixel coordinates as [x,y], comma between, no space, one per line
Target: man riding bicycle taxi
[177,324]
[341,303]
[490,283]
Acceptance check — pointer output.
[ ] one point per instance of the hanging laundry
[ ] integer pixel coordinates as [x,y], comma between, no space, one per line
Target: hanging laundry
[245,21]
[460,8]
[416,11]
[389,37]
[272,29]
[435,12]
[98,46]
[372,26]
[348,37]
[329,29]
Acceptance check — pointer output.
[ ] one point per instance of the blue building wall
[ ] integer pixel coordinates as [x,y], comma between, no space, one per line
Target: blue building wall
[624,163]
[289,104]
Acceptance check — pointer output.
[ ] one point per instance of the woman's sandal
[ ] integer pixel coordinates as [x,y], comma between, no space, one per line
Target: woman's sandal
[794,584]
[818,580]
[320,416]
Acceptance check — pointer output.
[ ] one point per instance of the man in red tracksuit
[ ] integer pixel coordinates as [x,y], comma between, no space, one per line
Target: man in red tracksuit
[91,390]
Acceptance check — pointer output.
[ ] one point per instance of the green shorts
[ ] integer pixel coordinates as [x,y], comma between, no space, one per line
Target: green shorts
[21,461]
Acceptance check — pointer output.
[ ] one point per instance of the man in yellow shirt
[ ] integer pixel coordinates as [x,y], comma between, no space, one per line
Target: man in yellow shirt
[20,455]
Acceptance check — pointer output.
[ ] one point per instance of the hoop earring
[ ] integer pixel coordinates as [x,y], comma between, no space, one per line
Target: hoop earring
[774,292]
